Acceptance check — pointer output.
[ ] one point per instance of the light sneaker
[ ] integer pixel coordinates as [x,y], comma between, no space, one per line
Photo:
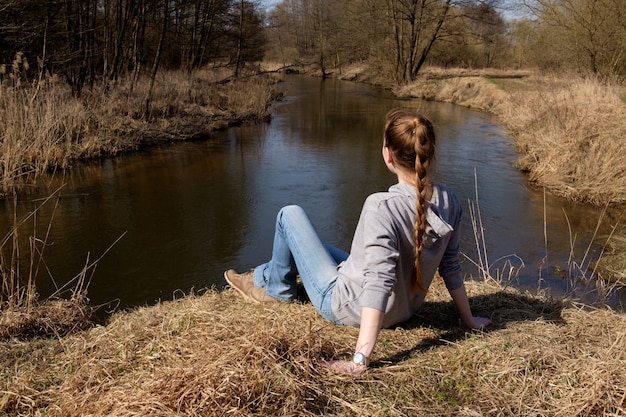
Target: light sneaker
[244,284]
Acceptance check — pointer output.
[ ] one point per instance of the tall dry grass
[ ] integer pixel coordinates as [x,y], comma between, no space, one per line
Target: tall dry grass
[43,127]
[17,278]
[215,354]
[571,135]
[22,313]
[572,139]
[37,132]
[569,131]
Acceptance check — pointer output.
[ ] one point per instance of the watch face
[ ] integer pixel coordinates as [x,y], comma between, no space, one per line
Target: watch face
[359,358]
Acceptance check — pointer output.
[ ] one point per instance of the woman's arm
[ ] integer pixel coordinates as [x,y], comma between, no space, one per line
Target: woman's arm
[459,296]
[371,323]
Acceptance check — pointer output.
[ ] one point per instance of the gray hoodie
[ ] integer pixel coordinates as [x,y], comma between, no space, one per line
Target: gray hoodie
[379,270]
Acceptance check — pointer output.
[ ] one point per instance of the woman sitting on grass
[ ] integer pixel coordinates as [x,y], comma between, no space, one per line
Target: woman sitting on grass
[384,279]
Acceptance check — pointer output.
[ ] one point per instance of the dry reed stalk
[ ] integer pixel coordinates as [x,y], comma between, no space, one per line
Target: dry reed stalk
[39,133]
[215,354]
[44,128]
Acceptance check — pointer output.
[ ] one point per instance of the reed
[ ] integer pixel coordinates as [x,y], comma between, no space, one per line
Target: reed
[43,127]
[36,134]
[22,313]
[18,285]
[502,271]
[571,139]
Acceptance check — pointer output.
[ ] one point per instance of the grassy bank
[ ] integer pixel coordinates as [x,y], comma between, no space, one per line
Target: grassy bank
[569,132]
[43,127]
[214,355]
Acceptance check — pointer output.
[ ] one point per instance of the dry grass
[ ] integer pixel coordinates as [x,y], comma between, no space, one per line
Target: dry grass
[22,314]
[214,354]
[38,133]
[44,127]
[51,317]
[569,132]
[571,139]
[469,90]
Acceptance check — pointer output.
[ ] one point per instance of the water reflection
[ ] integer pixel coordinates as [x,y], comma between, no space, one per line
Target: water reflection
[191,210]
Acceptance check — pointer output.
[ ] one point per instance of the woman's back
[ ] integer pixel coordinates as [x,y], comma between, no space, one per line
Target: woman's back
[380,270]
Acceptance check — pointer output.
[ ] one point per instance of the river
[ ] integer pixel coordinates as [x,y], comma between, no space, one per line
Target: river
[171,219]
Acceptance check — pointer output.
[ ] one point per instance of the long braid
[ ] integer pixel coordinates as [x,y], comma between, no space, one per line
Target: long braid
[411,139]
[421,186]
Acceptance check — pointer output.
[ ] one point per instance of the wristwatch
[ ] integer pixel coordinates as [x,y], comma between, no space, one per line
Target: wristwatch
[360,359]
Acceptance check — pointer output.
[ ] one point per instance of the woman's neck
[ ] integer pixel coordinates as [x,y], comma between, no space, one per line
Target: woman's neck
[406,179]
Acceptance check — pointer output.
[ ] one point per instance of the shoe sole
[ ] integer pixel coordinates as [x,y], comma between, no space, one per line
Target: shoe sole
[243,294]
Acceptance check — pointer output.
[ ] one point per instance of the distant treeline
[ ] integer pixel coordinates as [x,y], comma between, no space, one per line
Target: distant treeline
[398,37]
[87,41]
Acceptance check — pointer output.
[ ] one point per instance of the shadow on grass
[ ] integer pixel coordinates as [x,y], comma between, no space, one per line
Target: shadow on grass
[502,307]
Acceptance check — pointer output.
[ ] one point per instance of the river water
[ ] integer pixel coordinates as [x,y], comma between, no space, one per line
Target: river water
[173,218]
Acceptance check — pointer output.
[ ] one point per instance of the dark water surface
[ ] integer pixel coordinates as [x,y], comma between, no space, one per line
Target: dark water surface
[189,211]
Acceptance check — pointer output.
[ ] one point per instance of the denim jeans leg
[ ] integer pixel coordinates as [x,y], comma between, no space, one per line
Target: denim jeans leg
[338,255]
[296,240]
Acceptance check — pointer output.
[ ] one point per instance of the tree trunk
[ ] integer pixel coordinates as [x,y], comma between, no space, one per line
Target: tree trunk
[157,57]
[424,54]
[239,40]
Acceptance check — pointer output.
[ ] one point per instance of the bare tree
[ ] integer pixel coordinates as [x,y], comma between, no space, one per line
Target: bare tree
[247,36]
[414,25]
[589,33]
[239,38]
[105,40]
[486,28]
[157,57]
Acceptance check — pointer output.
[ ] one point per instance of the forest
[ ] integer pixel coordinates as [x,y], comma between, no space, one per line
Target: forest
[399,37]
[91,42]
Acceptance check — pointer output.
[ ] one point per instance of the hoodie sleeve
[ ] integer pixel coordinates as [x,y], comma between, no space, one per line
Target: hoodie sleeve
[450,266]
[381,253]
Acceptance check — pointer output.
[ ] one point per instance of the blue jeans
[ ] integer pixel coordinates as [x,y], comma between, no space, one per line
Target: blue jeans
[298,249]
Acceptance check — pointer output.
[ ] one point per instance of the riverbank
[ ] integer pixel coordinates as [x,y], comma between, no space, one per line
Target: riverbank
[569,133]
[213,354]
[45,128]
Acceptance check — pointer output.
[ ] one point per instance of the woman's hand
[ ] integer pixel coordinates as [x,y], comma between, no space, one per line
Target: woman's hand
[343,367]
[463,308]
[479,323]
